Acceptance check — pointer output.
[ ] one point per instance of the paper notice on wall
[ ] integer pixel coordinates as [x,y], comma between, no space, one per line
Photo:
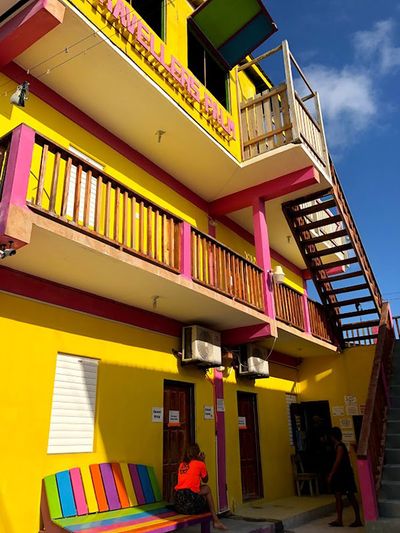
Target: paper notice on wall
[362,409]
[338,410]
[345,423]
[220,405]
[350,400]
[157,414]
[348,436]
[173,418]
[352,410]
[208,412]
[242,422]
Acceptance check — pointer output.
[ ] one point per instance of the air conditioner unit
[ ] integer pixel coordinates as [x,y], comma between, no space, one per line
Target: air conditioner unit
[201,346]
[253,361]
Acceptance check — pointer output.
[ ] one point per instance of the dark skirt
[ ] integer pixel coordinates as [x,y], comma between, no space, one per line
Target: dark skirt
[188,502]
[344,482]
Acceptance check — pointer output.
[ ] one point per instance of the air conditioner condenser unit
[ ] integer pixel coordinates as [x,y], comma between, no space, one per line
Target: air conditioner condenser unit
[253,361]
[201,346]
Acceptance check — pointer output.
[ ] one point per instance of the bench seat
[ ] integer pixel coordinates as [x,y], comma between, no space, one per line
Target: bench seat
[110,497]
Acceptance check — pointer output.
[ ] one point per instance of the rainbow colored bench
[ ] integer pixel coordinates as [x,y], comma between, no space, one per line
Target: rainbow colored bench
[115,497]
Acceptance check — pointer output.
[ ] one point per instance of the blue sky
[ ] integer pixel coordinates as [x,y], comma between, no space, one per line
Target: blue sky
[351,51]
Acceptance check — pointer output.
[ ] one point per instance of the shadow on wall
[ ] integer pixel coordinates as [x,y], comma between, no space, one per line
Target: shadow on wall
[5,523]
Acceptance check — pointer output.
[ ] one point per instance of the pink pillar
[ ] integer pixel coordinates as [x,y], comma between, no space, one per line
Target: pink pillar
[306,309]
[367,489]
[186,250]
[17,172]
[263,254]
[220,442]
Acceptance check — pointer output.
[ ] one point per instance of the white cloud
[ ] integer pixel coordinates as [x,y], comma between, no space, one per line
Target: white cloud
[377,45]
[348,101]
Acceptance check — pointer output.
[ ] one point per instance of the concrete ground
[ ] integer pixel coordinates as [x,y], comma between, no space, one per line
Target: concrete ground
[321,525]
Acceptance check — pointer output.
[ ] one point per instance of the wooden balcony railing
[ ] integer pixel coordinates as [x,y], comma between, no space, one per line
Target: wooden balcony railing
[216,266]
[78,194]
[289,306]
[279,115]
[318,321]
[370,452]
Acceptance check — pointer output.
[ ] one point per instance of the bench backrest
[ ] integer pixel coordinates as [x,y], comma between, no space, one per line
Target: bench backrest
[100,487]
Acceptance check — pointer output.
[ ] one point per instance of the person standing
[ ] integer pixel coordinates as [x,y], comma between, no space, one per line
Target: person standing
[341,480]
[192,495]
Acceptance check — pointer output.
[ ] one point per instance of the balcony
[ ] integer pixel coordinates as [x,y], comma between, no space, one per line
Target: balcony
[280,117]
[91,232]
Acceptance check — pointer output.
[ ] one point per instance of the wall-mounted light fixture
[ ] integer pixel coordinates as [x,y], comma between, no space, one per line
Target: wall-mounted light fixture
[21,95]
[278,275]
[7,252]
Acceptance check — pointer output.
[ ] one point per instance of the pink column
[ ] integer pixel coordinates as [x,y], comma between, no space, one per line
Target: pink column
[263,254]
[186,250]
[17,172]
[306,309]
[220,441]
[367,489]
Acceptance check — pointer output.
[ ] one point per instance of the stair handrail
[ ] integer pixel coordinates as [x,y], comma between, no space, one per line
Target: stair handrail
[370,450]
[355,237]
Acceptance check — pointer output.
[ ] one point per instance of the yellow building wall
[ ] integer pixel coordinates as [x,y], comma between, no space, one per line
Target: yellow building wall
[133,365]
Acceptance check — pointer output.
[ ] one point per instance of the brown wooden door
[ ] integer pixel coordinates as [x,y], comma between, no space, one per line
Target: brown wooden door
[250,463]
[177,397]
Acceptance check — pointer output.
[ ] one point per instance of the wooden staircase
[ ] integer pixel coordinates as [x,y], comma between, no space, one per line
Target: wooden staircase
[328,239]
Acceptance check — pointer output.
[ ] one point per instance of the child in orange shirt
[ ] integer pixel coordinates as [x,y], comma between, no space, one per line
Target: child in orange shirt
[192,496]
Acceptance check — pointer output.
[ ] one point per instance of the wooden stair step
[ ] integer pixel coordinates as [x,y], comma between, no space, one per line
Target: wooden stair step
[353,301]
[320,206]
[330,251]
[356,313]
[342,262]
[360,325]
[320,223]
[308,198]
[341,277]
[351,288]
[326,237]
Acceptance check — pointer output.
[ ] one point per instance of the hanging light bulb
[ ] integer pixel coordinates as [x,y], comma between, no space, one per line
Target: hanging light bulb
[21,95]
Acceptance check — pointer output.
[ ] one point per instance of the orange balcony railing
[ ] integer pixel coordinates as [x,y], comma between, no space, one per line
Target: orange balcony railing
[318,321]
[289,306]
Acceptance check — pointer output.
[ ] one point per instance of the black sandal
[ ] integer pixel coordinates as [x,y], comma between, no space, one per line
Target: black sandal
[335,523]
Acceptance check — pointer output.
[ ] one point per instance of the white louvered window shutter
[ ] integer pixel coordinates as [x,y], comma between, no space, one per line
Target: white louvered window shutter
[290,398]
[74,405]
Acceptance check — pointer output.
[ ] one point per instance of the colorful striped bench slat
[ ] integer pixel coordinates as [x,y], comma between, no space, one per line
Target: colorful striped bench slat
[53,500]
[109,487]
[79,493]
[154,484]
[98,487]
[66,495]
[89,490]
[146,483]
[136,484]
[128,484]
[120,485]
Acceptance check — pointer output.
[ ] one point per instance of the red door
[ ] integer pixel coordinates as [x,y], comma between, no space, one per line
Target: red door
[250,463]
[178,397]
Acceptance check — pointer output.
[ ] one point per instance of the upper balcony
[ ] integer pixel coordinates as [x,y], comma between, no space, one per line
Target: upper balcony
[138,88]
[89,231]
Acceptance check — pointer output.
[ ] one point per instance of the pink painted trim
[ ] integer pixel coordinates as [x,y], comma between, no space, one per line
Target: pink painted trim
[17,173]
[265,191]
[306,310]
[221,442]
[67,109]
[186,250]
[263,255]
[79,493]
[284,360]
[52,293]
[367,489]
[233,337]
[28,26]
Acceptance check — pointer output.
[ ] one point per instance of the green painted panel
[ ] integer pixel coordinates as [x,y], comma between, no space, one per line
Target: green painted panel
[220,19]
[154,483]
[53,500]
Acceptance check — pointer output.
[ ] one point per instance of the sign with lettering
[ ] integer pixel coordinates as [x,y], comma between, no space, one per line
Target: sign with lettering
[173,418]
[242,422]
[208,412]
[157,414]
[122,16]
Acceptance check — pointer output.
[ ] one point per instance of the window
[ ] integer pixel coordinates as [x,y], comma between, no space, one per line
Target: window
[152,12]
[290,398]
[208,71]
[74,405]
